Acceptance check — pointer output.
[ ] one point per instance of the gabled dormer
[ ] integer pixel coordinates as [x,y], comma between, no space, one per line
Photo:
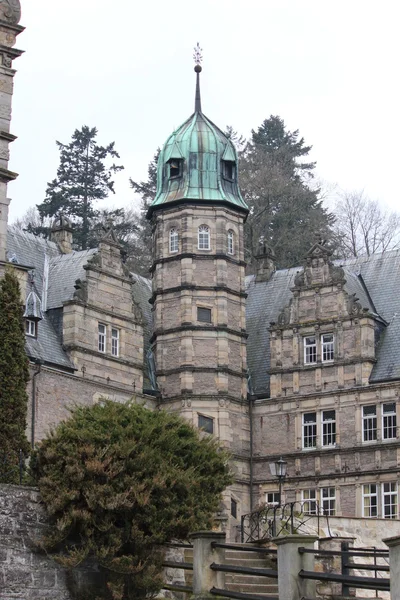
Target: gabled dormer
[325,336]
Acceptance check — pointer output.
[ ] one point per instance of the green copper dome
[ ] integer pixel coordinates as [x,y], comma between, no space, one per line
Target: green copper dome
[198,164]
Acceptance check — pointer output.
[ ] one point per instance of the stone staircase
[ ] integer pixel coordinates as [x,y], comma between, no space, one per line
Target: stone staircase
[246,584]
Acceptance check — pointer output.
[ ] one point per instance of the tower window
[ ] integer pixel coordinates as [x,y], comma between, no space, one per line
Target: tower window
[203,238]
[204,314]
[175,168]
[206,424]
[30,328]
[173,240]
[115,342]
[101,337]
[230,242]
[228,169]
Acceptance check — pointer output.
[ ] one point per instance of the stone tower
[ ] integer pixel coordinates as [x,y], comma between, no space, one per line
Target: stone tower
[199,340]
[10,14]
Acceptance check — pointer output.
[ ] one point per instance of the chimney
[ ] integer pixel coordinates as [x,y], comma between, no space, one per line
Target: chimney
[265,262]
[61,234]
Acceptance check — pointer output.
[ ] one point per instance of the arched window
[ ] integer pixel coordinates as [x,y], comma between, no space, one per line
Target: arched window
[173,240]
[231,248]
[204,238]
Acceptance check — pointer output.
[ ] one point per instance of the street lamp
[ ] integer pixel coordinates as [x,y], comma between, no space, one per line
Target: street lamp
[280,473]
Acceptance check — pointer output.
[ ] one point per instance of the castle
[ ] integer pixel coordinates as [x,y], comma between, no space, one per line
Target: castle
[302,363]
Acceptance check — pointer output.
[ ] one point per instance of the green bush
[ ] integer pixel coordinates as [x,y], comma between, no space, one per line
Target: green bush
[118,481]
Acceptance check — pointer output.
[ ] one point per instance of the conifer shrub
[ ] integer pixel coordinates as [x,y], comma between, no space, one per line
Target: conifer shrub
[14,376]
[119,481]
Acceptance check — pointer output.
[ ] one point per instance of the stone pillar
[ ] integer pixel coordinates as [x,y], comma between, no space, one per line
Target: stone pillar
[331,564]
[290,562]
[393,544]
[203,556]
[10,14]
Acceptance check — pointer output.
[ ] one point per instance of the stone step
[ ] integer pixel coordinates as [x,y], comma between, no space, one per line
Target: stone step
[252,588]
[234,578]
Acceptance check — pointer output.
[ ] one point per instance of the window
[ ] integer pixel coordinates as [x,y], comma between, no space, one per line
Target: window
[175,168]
[370,500]
[328,501]
[173,240]
[310,430]
[309,499]
[272,498]
[369,424]
[30,328]
[204,314]
[206,424]
[389,500]
[233,508]
[389,421]
[115,342]
[101,337]
[328,428]
[230,242]
[228,169]
[204,238]
[327,346]
[310,350]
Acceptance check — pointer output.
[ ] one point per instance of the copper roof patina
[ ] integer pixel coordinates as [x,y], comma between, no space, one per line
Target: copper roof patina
[201,147]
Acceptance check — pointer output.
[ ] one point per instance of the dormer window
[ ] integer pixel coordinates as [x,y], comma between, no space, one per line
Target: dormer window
[30,328]
[175,168]
[228,169]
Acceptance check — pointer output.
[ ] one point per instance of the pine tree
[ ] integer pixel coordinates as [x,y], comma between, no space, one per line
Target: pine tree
[147,191]
[82,178]
[119,481]
[14,376]
[285,209]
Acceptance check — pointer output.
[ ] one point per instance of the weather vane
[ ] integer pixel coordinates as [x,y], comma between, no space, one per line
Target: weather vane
[198,55]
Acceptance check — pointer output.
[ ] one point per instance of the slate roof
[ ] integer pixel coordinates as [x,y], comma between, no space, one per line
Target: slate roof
[64,270]
[31,251]
[376,282]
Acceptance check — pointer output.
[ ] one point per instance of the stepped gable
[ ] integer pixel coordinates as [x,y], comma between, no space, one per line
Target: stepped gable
[373,280]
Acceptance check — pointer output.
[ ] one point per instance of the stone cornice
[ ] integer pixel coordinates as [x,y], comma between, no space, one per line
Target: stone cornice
[220,369]
[189,327]
[323,365]
[102,311]
[5,135]
[206,288]
[103,355]
[6,175]
[195,256]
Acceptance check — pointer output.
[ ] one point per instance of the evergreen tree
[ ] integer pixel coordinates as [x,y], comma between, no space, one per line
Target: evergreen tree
[285,209]
[14,375]
[82,178]
[142,256]
[119,481]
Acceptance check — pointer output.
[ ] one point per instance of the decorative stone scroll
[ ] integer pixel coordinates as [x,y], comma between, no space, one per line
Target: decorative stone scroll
[10,11]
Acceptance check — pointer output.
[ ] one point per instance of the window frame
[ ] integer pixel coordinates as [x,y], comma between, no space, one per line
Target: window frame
[229,170]
[274,494]
[370,495]
[203,238]
[367,430]
[204,309]
[310,350]
[311,502]
[173,240]
[309,436]
[391,493]
[386,417]
[234,508]
[327,347]
[207,420]
[328,429]
[330,499]
[31,328]
[102,338]
[113,338]
[230,242]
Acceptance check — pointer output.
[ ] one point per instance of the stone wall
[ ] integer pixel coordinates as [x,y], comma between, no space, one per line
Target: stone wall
[24,573]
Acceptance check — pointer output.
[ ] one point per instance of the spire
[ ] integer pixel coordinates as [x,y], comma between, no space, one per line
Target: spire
[198,57]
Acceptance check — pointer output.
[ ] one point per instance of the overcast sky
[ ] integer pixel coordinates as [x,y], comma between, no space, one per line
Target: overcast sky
[329,69]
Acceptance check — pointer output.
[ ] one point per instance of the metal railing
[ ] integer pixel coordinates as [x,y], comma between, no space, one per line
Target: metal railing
[273,521]
[345,578]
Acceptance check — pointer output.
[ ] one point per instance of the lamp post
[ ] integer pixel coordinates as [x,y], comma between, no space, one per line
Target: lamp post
[280,472]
